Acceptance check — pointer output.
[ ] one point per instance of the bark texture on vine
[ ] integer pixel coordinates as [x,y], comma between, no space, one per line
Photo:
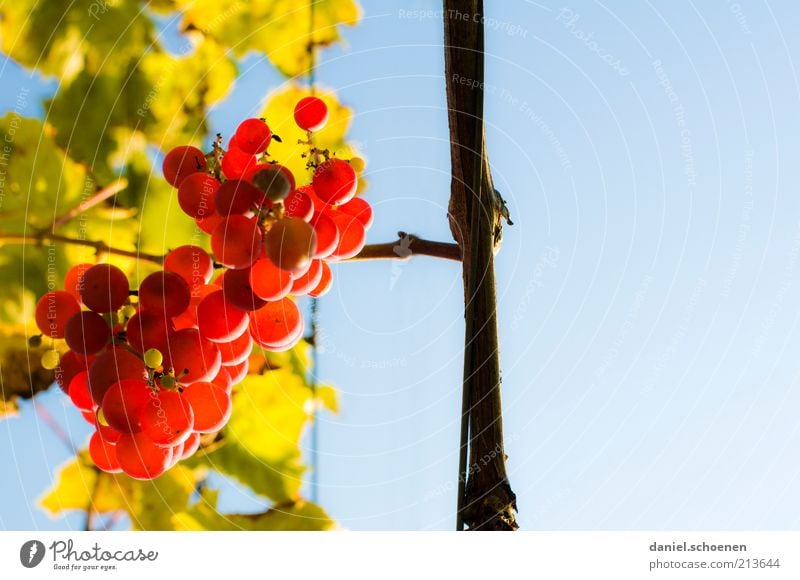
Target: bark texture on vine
[486,501]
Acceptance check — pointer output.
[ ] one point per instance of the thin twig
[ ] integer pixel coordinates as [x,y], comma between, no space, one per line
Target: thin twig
[405,247]
[99,246]
[100,196]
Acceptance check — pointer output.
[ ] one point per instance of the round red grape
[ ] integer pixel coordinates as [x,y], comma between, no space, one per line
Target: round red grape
[167,419]
[275,323]
[236,242]
[87,333]
[253,136]
[124,403]
[236,197]
[196,194]
[299,204]
[290,244]
[191,356]
[112,366]
[308,281]
[72,281]
[181,162]
[164,292]
[219,320]
[335,181]
[140,458]
[268,281]
[311,114]
[325,282]
[211,405]
[104,288]
[53,311]
[191,263]
[104,454]
[327,235]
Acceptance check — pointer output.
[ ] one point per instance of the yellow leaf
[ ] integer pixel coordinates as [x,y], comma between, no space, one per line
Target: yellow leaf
[149,504]
[279,113]
[279,28]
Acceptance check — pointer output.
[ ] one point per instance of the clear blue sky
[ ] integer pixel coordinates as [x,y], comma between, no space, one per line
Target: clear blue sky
[649,289]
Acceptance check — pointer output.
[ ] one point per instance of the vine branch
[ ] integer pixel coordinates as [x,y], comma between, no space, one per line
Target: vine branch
[485,498]
[99,246]
[406,246]
[403,248]
[99,196]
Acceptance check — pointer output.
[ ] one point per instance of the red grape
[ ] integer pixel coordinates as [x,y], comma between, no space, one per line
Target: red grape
[335,181]
[188,318]
[325,283]
[290,244]
[275,323]
[253,136]
[299,204]
[191,263]
[219,320]
[164,292]
[191,445]
[104,454]
[327,235]
[141,458]
[181,162]
[239,372]
[70,365]
[53,311]
[309,280]
[79,392]
[148,330]
[72,281]
[236,285]
[191,356]
[112,366]
[104,288]
[237,350]
[87,333]
[209,222]
[236,197]
[211,406]
[167,419]
[196,194]
[236,163]
[223,378]
[236,242]
[359,209]
[311,114]
[268,281]
[352,236]
[123,404]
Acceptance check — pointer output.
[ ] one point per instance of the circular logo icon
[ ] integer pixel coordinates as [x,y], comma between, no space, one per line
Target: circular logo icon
[31,553]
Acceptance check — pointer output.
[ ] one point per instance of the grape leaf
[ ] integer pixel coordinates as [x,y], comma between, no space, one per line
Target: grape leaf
[64,38]
[295,516]
[260,444]
[37,181]
[279,113]
[278,28]
[149,504]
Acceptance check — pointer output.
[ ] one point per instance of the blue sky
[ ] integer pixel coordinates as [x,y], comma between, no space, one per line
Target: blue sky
[648,312]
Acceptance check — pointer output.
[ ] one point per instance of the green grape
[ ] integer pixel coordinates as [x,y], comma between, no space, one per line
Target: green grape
[50,360]
[153,358]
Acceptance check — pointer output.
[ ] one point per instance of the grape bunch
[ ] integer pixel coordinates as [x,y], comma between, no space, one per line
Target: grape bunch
[153,369]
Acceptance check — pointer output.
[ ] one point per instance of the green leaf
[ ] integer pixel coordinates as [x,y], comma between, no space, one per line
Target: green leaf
[37,181]
[64,38]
